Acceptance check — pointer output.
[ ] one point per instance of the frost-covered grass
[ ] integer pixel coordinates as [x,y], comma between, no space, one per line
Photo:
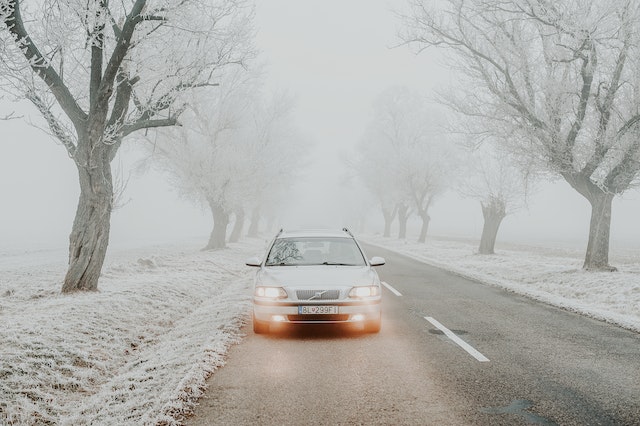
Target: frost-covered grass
[135,352]
[552,275]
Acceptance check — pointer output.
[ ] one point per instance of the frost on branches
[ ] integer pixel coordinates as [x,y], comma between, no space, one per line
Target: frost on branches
[98,71]
[498,183]
[559,81]
[404,158]
[237,150]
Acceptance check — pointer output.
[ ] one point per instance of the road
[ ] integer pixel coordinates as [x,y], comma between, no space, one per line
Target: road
[517,362]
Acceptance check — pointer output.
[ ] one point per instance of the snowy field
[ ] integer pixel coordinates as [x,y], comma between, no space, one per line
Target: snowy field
[139,350]
[136,352]
[552,275]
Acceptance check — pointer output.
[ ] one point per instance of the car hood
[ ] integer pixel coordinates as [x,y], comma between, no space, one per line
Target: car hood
[320,276]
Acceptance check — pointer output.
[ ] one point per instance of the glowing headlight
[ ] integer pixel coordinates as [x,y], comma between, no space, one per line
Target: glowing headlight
[366,291]
[271,292]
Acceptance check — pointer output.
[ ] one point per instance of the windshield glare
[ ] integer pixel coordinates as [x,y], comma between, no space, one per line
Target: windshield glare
[315,251]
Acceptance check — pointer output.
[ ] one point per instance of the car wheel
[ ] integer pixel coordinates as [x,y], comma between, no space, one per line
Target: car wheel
[260,327]
[373,326]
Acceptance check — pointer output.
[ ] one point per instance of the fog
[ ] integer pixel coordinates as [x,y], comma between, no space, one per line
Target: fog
[335,57]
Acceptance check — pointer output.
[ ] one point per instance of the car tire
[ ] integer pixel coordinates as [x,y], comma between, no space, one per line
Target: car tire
[373,326]
[260,327]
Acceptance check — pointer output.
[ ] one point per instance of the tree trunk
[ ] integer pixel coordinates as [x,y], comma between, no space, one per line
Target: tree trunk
[597,256]
[254,227]
[90,232]
[403,216]
[493,213]
[217,239]
[237,226]
[425,226]
[388,219]
[389,215]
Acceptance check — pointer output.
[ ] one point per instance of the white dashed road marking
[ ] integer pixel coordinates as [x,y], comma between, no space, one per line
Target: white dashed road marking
[391,289]
[464,345]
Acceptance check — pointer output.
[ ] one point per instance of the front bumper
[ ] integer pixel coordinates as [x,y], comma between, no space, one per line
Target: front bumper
[352,311]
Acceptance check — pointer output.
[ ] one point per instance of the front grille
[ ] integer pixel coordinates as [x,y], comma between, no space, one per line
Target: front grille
[318,318]
[318,294]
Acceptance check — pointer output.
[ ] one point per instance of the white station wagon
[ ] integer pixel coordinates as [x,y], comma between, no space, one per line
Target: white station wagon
[316,277]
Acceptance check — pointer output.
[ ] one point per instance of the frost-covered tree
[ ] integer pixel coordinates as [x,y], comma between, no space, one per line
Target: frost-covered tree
[279,157]
[376,168]
[381,183]
[382,186]
[428,165]
[499,184]
[233,151]
[559,79]
[98,71]
[404,157]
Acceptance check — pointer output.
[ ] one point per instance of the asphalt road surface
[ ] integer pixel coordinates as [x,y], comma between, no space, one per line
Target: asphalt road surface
[451,352]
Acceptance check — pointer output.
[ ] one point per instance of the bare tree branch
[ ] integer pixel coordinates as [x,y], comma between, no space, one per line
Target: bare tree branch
[10,116]
[58,129]
[41,67]
[120,51]
[148,124]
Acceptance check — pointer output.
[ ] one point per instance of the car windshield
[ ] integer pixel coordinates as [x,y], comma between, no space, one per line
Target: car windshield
[315,251]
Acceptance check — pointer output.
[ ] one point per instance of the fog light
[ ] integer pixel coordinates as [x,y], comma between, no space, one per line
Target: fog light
[357,317]
[278,318]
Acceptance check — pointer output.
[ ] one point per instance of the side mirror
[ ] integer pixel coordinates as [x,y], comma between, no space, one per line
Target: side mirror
[377,261]
[253,261]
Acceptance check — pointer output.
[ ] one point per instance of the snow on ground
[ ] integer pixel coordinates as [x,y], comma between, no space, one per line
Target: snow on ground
[552,275]
[135,352]
[138,351]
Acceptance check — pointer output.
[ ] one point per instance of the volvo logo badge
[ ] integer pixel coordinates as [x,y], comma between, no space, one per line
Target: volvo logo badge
[318,295]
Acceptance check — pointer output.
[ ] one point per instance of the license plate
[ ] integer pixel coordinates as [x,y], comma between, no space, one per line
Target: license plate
[317,310]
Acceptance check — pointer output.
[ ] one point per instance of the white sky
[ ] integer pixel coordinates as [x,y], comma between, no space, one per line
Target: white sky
[336,57]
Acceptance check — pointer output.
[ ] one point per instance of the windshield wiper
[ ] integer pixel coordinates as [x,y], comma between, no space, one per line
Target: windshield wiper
[338,264]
